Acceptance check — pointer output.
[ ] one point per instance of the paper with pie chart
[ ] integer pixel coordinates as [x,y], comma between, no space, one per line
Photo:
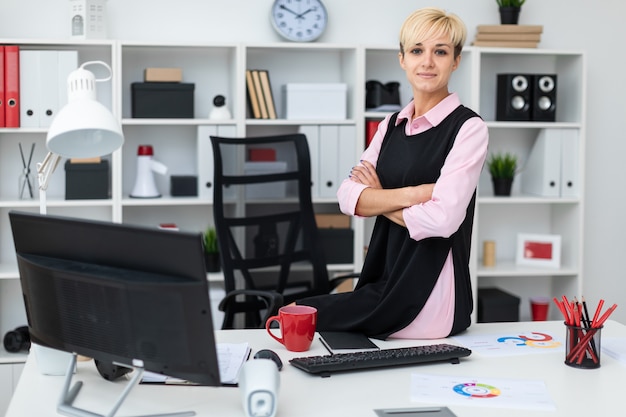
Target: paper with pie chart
[514,343]
[481,392]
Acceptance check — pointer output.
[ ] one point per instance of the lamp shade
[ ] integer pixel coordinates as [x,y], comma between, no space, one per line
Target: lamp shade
[84,128]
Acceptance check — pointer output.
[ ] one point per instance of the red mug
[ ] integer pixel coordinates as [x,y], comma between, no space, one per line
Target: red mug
[297,326]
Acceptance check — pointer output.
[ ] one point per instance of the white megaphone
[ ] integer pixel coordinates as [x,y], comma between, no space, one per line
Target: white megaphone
[144,184]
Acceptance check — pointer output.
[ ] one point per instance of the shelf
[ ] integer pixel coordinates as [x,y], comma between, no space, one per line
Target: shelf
[9,271]
[174,122]
[498,51]
[514,200]
[17,204]
[9,357]
[532,125]
[510,269]
[289,122]
[376,114]
[164,201]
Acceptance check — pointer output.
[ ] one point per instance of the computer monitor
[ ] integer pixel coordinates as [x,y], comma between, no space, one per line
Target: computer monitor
[117,293]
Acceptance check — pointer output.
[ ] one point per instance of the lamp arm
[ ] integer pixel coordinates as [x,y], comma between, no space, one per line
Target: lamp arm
[44,171]
[46,168]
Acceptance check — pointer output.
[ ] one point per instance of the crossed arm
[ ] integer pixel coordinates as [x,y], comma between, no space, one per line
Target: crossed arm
[375,200]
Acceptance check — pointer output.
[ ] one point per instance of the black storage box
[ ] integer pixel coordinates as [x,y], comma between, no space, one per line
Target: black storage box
[495,305]
[162,100]
[338,245]
[184,186]
[84,181]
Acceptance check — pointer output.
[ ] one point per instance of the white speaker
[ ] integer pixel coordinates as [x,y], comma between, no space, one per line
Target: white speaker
[258,383]
[145,186]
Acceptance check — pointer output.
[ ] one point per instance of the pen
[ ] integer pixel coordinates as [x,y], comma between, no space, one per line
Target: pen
[326,346]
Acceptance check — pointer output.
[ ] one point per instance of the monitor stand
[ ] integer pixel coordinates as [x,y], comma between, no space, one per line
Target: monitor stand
[68,395]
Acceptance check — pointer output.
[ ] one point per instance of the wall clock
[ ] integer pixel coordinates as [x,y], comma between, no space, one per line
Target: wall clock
[299,20]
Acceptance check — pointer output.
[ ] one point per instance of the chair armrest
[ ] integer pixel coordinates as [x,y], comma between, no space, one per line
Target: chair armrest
[255,301]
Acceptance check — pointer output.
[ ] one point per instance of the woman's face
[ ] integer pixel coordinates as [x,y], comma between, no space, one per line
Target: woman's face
[429,64]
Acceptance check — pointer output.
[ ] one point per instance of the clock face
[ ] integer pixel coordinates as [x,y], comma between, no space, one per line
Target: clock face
[299,20]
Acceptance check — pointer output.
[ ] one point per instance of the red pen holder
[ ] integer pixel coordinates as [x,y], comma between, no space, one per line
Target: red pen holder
[582,346]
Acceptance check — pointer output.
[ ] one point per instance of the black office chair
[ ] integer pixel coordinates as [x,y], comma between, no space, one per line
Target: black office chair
[265,224]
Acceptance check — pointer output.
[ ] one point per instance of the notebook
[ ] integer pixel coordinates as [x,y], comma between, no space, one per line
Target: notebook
[346,342]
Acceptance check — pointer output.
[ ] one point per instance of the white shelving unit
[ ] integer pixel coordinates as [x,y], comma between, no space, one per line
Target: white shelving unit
[183,145]
[502,218]
[12,312]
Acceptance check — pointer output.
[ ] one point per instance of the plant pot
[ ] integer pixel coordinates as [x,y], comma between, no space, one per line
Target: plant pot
[212,262]
[509,15]
[502,186]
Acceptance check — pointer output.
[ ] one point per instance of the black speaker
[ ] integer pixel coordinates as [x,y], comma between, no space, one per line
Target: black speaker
[544,98]
[513,97]
[17,340]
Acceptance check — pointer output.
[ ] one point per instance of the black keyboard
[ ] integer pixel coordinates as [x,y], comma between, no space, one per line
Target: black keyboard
[380,358]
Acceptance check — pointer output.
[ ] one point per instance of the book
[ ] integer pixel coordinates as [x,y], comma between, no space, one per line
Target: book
[507,44]
[267,93]
[509,29]
[508,37]
[346,342]
[252,97]
[259,94]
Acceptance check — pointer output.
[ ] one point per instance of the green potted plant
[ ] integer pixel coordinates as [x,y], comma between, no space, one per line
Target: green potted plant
[211,250]
[509,11]
[502,167]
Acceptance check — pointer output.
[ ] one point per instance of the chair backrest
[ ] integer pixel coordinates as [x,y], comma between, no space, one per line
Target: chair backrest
[264,216]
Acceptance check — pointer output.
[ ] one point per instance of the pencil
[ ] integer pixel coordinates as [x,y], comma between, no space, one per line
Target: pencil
[597,313]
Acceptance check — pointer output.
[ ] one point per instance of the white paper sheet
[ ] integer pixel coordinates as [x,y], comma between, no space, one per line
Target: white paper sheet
[481,392]
[524,343]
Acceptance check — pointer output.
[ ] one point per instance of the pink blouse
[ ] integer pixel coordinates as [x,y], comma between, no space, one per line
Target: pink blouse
[443,214]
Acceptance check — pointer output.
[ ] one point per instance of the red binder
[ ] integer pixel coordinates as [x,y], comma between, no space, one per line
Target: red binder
[12,85]
[2,122]
[371,126]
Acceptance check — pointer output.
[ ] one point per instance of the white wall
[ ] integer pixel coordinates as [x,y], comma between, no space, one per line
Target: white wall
[596,27]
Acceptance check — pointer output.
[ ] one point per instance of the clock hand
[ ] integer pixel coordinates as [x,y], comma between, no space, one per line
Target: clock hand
[289,10]
[301,15]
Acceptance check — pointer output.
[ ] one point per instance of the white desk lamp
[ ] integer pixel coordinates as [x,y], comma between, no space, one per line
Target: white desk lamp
[84,128]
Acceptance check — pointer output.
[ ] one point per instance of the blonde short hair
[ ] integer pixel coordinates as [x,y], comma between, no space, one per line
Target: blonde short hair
[431,22]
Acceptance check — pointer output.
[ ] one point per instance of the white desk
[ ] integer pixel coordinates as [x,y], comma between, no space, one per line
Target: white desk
[576,392]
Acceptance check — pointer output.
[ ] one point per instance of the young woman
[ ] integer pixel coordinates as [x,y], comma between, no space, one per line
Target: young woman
[419,178]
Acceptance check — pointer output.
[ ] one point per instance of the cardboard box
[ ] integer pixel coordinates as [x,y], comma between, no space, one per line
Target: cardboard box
[87,19]
[162,100]
[495,305]
[265,190]
[315,101]
[171,75]
[332,221]
[84,181]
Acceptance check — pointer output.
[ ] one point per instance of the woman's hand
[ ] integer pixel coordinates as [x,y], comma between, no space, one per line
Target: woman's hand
[365,174]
